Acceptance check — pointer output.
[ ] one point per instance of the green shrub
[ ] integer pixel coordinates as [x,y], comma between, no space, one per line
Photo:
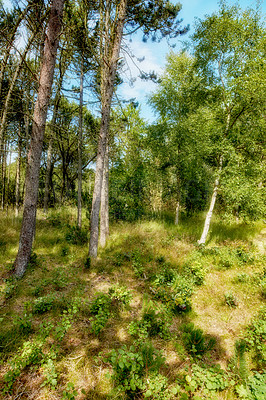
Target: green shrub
[137,264]
[75,235]
[100,309]
[177,296]
[255,338]
[195,341]
[242,278]
[24,323]
[103,305]
[43,304]
[257,385]
[164,277]
[55,219]
[151,324]
[50,374]
[133,366]
[120,295]
[10,288]
[59,278]
[243,256]
[230,300]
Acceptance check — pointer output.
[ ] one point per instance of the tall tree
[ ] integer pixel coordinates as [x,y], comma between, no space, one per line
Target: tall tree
[39,119]
[159,17]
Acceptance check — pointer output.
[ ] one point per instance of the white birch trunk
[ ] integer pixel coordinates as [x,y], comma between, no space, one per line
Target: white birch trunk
[177,213]
[209,214]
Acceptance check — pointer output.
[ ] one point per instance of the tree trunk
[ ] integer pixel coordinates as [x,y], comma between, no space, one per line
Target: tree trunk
[62,71]
[109,66]
[47,176]
[177,213]
[39,119]
[104,214]
[209,214]
[3,177]
[18,174]
[80,144]
[210,211]
[8,178]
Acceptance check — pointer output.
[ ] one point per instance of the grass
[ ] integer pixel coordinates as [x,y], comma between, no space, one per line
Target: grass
[136,257]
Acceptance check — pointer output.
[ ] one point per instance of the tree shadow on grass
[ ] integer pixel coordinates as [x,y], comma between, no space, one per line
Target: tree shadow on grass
[221,232]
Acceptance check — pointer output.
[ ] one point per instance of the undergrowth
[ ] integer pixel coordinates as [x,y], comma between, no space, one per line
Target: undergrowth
[130,324]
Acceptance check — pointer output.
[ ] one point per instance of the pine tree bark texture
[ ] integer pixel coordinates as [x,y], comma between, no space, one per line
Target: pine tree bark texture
[104,214]
[80,144]
[35,150]
[109,69]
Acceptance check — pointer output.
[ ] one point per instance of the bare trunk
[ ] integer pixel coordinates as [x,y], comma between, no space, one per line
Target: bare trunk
[18,175]
[109,65]
[80,143]
[3,178]
[104,220]
[177,213]
[213,200]
[39,119]
[8,178]
[48,175]
[50,145]
[209,214]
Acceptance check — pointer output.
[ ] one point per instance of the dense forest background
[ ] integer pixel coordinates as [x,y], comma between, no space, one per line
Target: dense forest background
[154,231]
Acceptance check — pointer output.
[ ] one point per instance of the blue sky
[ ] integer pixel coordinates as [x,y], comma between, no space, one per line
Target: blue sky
[155,53]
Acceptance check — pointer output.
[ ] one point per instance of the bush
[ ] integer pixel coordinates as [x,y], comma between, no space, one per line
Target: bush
[255,338]
[103,305]
[151,324]
[43,304]
[177,295]
[75,235]
[230,300]
[132,368]
[195,341]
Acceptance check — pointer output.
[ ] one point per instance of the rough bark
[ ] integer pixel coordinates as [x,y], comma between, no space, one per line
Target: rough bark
[39,119]
[3,177]
[18,169]
[48,175]
[62,70]
[8,178]
[104,214]
[80,144]
[109,68]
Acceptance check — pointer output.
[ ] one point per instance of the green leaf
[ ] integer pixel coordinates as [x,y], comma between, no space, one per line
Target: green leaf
[148,393]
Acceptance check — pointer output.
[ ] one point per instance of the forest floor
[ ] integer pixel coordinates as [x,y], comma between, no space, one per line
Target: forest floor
[195,316]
